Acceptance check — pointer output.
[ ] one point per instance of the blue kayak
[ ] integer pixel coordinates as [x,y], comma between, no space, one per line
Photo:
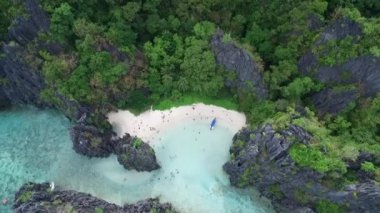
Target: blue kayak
[213,123]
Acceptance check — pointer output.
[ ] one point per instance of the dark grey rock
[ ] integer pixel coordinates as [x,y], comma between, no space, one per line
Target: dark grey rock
[88,140]
[24,83]
[4,101]
[340,29]
[315,22]
[261,158]
[362,72]
[133,153]
[237,60]
[41,199]
[337,30]
[26,29]
[307,63]
[332,102]
[362,197]
[362,157]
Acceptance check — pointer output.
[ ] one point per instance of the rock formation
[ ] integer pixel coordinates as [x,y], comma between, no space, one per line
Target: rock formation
[23,81]
[133,153]
[93,141]
[34,197]
[235,59]
[361,73]
[261,158]
[88,140]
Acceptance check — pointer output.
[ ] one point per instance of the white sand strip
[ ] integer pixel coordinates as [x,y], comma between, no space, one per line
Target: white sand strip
[149,124]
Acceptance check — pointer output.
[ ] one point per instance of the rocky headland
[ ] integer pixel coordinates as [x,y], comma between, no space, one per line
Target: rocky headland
[261,158]
[34,197]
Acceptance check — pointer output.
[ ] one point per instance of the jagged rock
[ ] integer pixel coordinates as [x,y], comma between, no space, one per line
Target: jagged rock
[88,140]
[34,197]
[73,109]
[337,30]
[4,101]
[25,30]
[340,29]
[314,22]
[362,157]
[356,165]
[364,197]
[261,158]
[307,63]
[239,61]
[24,83]
[362,72]
[333,102]
[133,153]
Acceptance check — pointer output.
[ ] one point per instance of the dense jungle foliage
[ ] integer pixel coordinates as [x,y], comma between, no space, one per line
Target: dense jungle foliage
[160,53]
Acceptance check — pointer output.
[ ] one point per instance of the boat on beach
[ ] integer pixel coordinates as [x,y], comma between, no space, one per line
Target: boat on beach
[213,124]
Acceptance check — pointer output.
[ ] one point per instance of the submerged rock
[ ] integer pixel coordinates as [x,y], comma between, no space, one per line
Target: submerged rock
[261,158]
[34,197]
[133,153]
[234,59]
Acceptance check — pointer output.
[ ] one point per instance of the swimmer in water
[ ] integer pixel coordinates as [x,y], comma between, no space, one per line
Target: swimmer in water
[5,201]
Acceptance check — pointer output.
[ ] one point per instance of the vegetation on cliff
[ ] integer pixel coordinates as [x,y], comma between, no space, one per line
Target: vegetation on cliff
[140,53]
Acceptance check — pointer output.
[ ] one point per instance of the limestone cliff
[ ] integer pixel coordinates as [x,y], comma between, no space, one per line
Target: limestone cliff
[261,158]
[239,61]
[345,82]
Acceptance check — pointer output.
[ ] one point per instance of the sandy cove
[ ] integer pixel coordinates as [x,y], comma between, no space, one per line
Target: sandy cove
[149,124]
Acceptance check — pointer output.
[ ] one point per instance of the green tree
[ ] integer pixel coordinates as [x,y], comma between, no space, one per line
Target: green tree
[300,87]
[61,22]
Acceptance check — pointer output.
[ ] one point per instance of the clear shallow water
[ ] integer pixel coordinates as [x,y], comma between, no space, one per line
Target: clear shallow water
[31,142]
[35,146]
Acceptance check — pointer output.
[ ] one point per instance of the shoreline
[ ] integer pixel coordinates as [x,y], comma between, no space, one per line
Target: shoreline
[151,123]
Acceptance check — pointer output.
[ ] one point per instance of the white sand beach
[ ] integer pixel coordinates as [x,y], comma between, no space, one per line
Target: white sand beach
[149,124]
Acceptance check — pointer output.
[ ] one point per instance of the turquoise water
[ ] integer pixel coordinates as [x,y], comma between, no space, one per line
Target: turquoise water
[31,142]
[35,146]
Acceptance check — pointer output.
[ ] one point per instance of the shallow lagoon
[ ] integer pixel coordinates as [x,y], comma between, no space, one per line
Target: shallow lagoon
[36,147]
